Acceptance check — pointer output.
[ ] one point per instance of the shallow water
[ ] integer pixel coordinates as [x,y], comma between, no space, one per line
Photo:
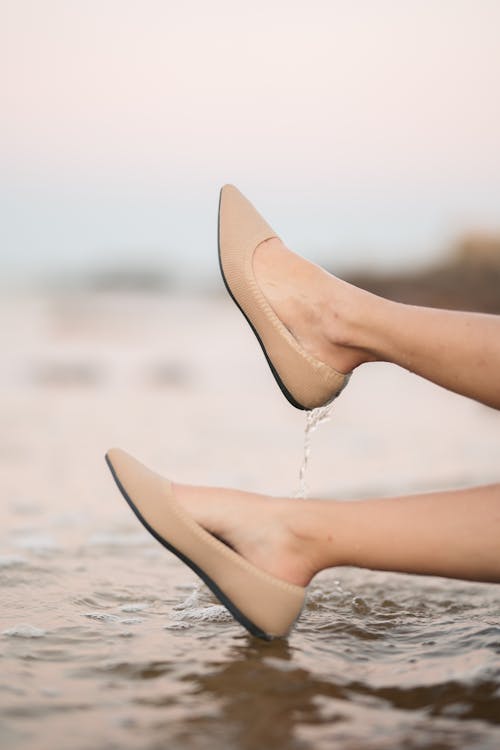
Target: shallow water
[106,641]
[376,660]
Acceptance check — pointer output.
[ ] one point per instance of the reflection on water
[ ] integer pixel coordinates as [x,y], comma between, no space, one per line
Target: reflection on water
[106,641]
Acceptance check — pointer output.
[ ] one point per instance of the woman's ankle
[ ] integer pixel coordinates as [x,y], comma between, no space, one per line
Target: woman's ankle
[316,528]
[355,321]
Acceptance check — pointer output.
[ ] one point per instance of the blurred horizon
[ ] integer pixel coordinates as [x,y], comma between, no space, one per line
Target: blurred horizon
[366,133]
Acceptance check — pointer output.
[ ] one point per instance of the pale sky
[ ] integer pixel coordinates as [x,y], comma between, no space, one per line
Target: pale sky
[366,131]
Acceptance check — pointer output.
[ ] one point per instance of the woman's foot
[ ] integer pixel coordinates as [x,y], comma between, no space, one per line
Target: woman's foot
[274,534]
[267,606]
[325,329]
[322,312]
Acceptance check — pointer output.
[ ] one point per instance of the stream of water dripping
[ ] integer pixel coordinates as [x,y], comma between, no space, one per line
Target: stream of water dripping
[314,418]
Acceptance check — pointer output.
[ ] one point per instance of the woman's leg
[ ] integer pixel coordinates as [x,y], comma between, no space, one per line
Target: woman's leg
[454,534]
[345,326]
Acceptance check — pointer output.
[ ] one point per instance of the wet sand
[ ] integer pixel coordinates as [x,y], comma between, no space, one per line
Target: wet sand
[107,641]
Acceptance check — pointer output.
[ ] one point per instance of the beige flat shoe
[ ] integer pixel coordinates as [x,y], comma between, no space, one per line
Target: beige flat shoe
[266,606]
[304,380]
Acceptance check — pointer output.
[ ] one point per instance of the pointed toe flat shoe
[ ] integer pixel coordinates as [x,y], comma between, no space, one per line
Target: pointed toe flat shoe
[304,380]
[266,606]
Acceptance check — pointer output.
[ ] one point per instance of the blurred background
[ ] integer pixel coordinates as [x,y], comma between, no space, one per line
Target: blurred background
[368,133]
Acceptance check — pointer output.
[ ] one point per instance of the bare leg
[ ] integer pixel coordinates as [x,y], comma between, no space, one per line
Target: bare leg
[345,327]
[454,534]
